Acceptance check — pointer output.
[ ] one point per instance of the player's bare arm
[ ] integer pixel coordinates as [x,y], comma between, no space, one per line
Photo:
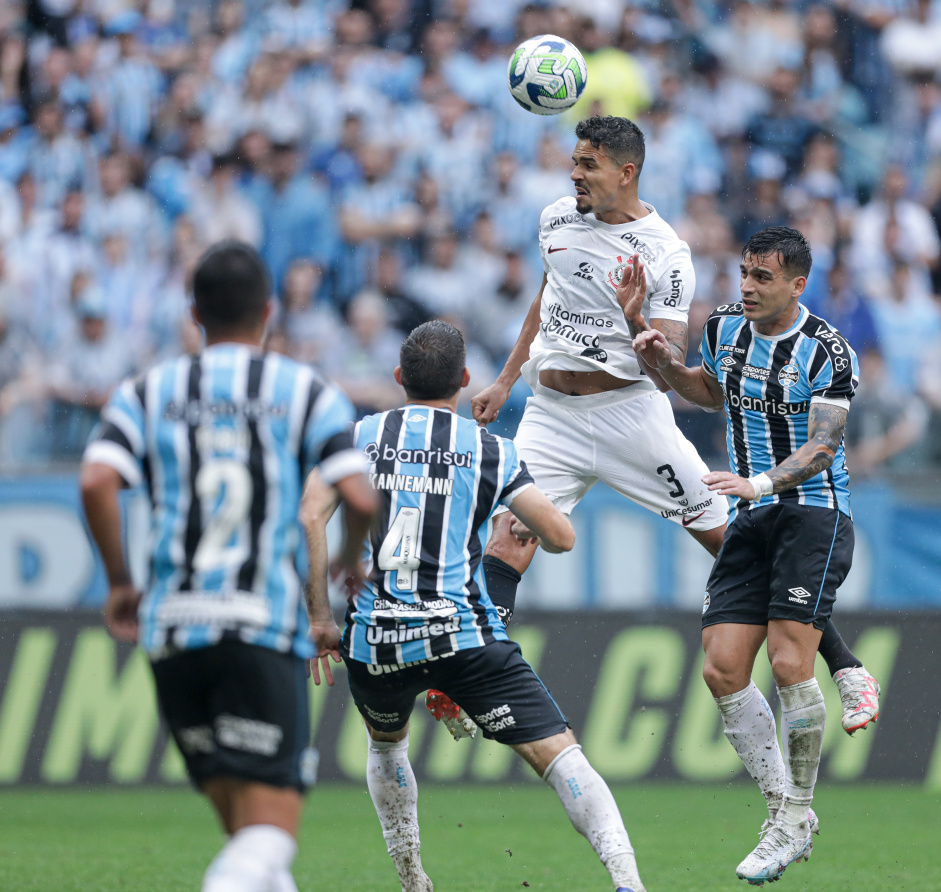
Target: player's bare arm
[544,521]
[318,503]
[825,425]
[100,485]
[487,404]
[694,385]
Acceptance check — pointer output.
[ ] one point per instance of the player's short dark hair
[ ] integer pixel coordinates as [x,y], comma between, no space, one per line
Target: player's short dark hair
[621,139]
[432,361]
[230,286]
[789,245]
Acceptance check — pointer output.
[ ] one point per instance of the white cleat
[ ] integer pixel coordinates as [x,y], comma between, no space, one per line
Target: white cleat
[859,694]
[774,853]
[812,820]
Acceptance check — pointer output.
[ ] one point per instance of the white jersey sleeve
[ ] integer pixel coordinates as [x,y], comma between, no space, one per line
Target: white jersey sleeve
[671,294]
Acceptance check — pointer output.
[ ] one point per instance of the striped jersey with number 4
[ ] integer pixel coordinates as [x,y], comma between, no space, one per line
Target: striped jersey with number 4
[439,477]
[223,442]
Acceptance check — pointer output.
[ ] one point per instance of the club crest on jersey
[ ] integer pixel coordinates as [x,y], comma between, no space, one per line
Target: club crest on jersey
[789,375]
[615,275]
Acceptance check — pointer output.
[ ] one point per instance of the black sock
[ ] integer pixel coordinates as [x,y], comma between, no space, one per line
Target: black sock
[834,651]
[502,580]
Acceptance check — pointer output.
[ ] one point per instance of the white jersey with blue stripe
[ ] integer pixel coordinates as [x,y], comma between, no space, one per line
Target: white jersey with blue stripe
[439,477]
[224,441]
[770,383]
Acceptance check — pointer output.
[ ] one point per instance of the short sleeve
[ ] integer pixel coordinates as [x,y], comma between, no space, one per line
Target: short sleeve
[120,440]
[516,476]
[673,292]
[328,437]
[707,349]
[837,377]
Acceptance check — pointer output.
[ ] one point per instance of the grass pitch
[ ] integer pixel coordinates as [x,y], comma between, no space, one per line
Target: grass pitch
[688,837]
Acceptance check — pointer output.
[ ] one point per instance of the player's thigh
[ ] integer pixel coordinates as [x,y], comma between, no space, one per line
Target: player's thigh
[558,449]
[238,711]
[385,695]
[643,455]
[738,587]
[812,553]
[502,693]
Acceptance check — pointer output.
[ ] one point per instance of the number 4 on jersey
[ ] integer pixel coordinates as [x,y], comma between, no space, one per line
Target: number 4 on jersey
[402,537]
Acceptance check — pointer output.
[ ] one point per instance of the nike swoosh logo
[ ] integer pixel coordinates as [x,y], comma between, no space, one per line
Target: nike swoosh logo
[553,250]
[688,520]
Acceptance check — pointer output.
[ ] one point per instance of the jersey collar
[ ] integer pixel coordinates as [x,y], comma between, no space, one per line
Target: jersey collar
[801,319]
[592,220]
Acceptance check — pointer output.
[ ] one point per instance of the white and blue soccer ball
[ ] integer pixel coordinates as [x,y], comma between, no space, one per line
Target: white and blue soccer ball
[547,74]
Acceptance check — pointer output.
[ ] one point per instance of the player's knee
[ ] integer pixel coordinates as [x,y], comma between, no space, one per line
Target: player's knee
[724,677]
[791,666]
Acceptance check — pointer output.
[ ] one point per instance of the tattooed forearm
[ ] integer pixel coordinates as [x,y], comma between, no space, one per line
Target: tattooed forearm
[825,431]
[676,333]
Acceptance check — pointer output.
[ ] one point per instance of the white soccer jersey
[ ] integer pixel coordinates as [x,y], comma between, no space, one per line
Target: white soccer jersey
[582,328]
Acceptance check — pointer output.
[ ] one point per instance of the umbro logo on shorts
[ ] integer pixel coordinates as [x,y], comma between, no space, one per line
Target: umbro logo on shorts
[799,595]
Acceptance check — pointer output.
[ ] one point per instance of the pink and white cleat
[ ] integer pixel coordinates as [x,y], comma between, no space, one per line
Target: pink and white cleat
[859,694]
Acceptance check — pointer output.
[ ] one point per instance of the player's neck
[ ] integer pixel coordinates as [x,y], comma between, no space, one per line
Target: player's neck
[246,339]
[450,405]
[781,324]
[630,211]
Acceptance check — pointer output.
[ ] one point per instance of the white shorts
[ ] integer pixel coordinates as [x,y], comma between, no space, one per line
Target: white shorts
[628,441]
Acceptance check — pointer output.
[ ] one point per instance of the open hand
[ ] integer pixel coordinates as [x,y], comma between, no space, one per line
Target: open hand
[726,483]
[632,292]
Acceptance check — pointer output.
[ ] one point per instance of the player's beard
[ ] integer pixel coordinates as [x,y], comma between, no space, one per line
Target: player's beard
[583,204]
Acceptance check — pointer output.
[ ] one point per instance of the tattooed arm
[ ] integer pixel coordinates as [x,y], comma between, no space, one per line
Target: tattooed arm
[824,429]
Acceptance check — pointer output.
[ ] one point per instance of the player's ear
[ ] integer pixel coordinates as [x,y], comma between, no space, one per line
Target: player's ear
[465,378]
[798,285]
[195,314]
[397,374]
[628,173]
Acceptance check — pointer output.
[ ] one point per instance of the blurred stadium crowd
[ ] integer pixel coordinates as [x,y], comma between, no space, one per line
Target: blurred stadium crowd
[372,152]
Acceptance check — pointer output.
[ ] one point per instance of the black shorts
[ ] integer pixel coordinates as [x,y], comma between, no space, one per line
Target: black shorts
[785,561]
[238,710]
[494,684]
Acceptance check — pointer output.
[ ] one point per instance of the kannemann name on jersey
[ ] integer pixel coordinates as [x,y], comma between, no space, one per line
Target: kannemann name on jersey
[439,477]
[581,325]
[770,384]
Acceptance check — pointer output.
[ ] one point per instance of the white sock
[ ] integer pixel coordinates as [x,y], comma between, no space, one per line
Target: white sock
[394,793]
[284,882]
[750,728]
[250,860]
[594,813]
[803,718]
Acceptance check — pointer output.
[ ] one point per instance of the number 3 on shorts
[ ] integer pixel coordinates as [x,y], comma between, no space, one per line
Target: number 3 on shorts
[402,532]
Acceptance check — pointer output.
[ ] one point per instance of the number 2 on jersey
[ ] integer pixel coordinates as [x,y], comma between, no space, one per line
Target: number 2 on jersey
[213,550]
[402,537]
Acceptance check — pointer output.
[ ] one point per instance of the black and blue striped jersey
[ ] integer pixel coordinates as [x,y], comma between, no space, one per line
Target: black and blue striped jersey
[769,383]
[439,477]
[223,442]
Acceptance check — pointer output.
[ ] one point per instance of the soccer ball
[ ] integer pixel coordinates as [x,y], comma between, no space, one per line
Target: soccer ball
[547,74]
